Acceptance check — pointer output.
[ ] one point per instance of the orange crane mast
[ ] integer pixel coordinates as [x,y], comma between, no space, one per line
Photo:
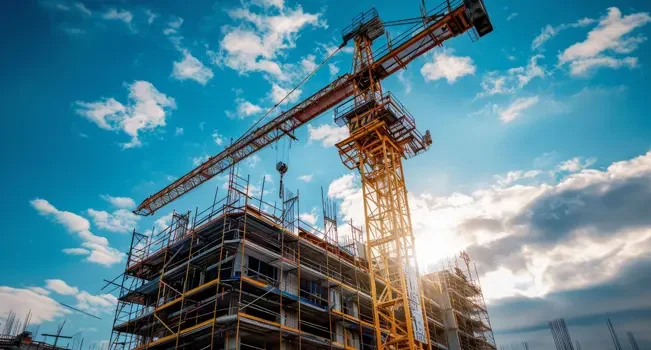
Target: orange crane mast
[441,24]
[381,134]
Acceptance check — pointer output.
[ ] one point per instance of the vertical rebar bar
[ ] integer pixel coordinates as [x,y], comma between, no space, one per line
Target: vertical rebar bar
[631,338]
[613,335]
[561,335]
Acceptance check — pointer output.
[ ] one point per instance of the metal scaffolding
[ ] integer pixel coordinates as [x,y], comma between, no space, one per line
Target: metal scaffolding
[268,268]
[561,335]
[245,273]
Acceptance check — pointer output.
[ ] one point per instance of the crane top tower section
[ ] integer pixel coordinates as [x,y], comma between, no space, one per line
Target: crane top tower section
[443,22]
[367,24]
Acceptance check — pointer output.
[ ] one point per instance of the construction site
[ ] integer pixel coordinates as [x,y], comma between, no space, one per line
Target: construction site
[248,273]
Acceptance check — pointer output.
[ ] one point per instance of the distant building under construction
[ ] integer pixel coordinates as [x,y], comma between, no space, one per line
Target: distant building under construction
[245,274]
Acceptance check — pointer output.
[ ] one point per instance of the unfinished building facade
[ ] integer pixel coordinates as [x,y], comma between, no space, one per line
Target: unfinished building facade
[246,274]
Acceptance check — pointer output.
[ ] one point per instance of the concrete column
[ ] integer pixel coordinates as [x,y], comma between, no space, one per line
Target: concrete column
[231,343]
[289,318]
[288,346]
[289,283]
[449,321]
[239,263]
[339,333]
[335,300]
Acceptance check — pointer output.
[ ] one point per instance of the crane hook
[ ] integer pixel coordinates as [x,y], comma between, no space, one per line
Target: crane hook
[282,169]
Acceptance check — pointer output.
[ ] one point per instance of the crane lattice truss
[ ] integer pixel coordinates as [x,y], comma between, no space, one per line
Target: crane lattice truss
[451,18]
[382,132]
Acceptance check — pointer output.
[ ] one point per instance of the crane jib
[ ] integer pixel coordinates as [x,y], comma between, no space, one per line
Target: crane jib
[408,46]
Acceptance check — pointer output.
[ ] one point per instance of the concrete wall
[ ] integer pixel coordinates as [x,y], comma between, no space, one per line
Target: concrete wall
[449,321]
[289,283]
[335,300]
[289,318]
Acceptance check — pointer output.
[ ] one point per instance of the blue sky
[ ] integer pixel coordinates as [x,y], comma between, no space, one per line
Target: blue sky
[539,166]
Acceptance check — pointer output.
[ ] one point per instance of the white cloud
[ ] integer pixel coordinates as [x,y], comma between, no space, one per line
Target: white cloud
[610,37]
[119,202]
[64,6]
[102,344]
[524,75]
[121,220]
[516,78]
[151,16]
[306,177]
[548,32]
[328,134]
[164,221]
[445,65]
[72,222]
[309,218]
[39,290]
[73,31]
[100,251]
[406,83]
[146,111]
[246,108]
[280,4]
[260,38]
[217,137]
[514,176]
[60,287]
[347,189]
[76,251]
[103,113]
[252,160]
[515,109]
[527,239]
[512,16]
[175,22]
[119,15]
[85,301]
[178,131]
[278,93]
[34,299]
[196,161]
[585,66]
[83,9]
[88,329]
[308,64]
[96,303]
[175,40]
[191,68]
[328,49]
[494,84]
[334,70]
[102,254]
[575,164]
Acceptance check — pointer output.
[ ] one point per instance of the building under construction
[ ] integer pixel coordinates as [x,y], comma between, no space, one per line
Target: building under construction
[248,274]
[244,273]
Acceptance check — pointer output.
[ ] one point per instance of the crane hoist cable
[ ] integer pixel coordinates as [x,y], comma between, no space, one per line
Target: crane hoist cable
[281,166]
[292,91]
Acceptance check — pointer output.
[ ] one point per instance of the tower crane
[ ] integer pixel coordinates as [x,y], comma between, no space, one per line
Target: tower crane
[381,134]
